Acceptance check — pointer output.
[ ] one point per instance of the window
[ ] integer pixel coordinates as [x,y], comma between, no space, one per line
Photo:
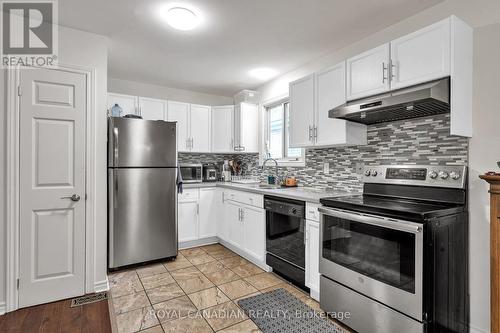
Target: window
[277,139]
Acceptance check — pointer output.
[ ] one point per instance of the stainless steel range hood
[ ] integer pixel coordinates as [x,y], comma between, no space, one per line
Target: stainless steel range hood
[417,101]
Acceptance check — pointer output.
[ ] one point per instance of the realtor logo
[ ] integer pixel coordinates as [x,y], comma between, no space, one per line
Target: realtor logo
[29,33]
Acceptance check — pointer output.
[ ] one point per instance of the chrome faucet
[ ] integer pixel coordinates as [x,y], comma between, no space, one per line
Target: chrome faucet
[276,168]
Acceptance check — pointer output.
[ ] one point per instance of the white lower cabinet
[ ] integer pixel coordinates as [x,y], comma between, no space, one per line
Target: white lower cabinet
[234,224]
[208,212]
[254,232]
[187,221]
[312,257]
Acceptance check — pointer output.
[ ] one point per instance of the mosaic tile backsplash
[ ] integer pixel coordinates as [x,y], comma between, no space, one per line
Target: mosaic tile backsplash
[415,141]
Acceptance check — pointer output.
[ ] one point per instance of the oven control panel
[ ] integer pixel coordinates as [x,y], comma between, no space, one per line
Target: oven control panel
[421,175]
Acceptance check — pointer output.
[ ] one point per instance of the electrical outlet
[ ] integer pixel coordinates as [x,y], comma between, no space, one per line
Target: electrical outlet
[326,167]
[360,167]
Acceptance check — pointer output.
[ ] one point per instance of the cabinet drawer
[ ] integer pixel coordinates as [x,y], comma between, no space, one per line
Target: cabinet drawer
[251,199]
[312,212]
[189,195]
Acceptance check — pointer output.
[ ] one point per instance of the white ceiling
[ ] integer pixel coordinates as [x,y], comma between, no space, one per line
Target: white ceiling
[236,36]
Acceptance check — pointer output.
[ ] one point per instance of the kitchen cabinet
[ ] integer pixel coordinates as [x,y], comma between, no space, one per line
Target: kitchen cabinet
[128,103]
[368,73]
[209,209]
[222,129]
[310,100]
[421,56]
[152,109]
[312,257]
[254,232]
[301,112]
[200,128]
[234,223]
[179,112]
[330,92]
[246,128]
[187,220]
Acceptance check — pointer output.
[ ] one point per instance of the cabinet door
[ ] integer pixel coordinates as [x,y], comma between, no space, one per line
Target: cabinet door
[152,109]
[208,212]
[421,56]
[330,93]
[302,112]
[222,129]
[187,221]
[254,231]
[179,112]
[126,102]
[200,128]
[312,255]
[367,73]
[234,224]
[249,127]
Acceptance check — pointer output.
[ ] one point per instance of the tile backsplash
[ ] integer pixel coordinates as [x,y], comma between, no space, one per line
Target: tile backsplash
[415,141]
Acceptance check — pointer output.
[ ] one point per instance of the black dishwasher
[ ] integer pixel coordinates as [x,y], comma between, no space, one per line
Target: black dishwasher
[285,224]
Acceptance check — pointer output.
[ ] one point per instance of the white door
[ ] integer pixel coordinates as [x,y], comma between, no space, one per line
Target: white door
[128,103]
[179,112]
[368,73]
[152,109]
[208,212]
[234,224]
[200,128]
[330,93]
[249,127]
[254,231]
[223,221]
[222,129]
[312,255]
[52,169]
[421,56]
[187,220]
[302,112]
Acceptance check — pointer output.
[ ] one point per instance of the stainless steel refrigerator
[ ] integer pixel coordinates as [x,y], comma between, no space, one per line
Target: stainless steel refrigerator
[142,191]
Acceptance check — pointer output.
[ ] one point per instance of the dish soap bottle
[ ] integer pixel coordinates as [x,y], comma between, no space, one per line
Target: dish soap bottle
[116,111]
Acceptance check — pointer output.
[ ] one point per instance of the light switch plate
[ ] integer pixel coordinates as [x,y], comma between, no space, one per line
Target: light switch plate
[360,167]
[326,167]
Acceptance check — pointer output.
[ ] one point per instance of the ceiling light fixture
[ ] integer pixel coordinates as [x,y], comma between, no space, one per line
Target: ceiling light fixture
[181,17]
[263,73]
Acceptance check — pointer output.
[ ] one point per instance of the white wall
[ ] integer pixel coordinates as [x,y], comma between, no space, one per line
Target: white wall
[484,16]
[89,50]
[163,92]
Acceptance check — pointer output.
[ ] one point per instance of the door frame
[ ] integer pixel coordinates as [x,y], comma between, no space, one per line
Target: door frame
[12,195]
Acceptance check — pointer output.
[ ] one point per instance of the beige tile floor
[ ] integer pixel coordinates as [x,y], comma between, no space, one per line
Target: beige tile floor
[198,292]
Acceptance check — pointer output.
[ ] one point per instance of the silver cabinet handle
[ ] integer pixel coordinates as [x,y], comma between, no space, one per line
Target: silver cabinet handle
[310,133]
[197,209]
[392,70]
[74,197]
[315,133]
[384,69]
[187,143]
[242,215]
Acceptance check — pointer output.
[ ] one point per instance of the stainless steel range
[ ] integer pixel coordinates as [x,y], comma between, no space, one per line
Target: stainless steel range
[395,257]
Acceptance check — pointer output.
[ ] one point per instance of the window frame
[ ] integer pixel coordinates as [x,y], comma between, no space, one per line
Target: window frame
[284,161]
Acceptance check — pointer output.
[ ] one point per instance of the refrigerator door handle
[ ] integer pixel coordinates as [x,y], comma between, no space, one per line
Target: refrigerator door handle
[115,155]
[115,187]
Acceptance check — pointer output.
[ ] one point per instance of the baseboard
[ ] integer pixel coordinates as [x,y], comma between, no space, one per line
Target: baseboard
[252,259]
[198,242]
[3,308]
[100,286]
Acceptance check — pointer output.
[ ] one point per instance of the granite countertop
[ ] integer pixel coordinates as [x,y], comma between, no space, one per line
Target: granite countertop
[308,194]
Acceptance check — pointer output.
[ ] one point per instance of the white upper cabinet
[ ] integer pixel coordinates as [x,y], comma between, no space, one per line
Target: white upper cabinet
[302,112]
[200,128]
[246,127]
[421,56]
[310,100]
[179,112]
[368,73]
[330,93]
[152,109]
[129,104]
[222,129]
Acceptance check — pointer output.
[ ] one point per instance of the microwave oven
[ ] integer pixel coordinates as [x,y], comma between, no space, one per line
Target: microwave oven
[192,173]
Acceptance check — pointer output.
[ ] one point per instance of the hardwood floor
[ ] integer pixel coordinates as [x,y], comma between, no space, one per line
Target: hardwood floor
[58,317]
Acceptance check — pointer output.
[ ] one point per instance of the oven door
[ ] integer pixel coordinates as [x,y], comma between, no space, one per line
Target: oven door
[375,256]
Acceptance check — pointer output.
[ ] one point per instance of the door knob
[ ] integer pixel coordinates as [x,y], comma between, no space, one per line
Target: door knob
[74,197]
